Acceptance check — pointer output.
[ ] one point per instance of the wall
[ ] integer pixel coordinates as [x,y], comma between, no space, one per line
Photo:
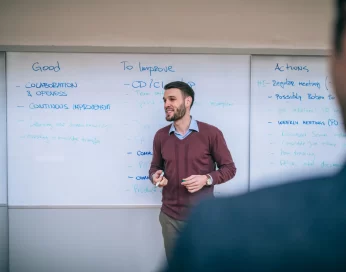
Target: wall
[82,240]
[120,239]
[167,23]
[4,249]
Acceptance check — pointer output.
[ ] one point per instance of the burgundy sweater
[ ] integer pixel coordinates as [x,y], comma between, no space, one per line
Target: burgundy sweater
[194,155]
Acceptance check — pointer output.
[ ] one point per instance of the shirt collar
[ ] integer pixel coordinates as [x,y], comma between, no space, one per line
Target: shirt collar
[193,126]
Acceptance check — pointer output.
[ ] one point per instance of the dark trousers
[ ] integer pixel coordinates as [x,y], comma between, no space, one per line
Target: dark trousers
[171,228]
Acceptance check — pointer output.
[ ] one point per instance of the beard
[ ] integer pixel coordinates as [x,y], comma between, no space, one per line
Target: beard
[178,113]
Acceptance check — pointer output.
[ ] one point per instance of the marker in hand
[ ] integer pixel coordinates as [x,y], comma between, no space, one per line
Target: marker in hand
[157,184]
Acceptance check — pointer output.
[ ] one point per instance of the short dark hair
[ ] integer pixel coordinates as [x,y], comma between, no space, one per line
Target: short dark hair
[183,87]
[340,16]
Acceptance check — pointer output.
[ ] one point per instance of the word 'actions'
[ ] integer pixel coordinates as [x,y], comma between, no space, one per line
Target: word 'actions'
[288,67]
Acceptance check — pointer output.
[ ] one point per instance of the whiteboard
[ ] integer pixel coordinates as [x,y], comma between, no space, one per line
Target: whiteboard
[296,127]
[81,125]
[3,149]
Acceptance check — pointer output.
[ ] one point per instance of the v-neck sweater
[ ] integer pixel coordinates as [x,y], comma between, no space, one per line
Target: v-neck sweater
[197,154]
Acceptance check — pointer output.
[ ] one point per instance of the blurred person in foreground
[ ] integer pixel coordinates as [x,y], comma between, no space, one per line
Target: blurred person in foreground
[298,226]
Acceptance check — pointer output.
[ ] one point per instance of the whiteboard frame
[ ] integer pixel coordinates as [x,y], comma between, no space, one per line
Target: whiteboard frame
[167,50]
[82,207]
[4,88]
[152,50]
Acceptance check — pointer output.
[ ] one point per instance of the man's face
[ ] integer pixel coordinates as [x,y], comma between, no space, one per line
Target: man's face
[174,104]
[338,73]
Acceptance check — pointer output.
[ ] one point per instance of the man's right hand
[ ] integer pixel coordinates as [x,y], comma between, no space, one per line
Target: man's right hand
[162,180]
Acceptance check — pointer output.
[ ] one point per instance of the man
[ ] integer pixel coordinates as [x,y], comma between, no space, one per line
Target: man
[299,226]
[183,163]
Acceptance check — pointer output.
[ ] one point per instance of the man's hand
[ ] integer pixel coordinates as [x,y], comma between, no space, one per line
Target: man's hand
[157,178]
[195,183]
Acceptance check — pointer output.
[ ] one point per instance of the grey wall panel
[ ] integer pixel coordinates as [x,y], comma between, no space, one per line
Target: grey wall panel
[4,262]
[85,240]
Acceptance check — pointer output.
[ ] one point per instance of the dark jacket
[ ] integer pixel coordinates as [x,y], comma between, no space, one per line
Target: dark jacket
[299,226]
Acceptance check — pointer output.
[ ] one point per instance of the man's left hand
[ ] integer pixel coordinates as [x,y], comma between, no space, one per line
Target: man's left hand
[195,183]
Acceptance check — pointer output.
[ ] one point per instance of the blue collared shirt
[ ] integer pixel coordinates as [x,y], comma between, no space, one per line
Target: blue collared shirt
[193,127]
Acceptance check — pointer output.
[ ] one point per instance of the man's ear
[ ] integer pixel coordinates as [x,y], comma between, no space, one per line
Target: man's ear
[188,101]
